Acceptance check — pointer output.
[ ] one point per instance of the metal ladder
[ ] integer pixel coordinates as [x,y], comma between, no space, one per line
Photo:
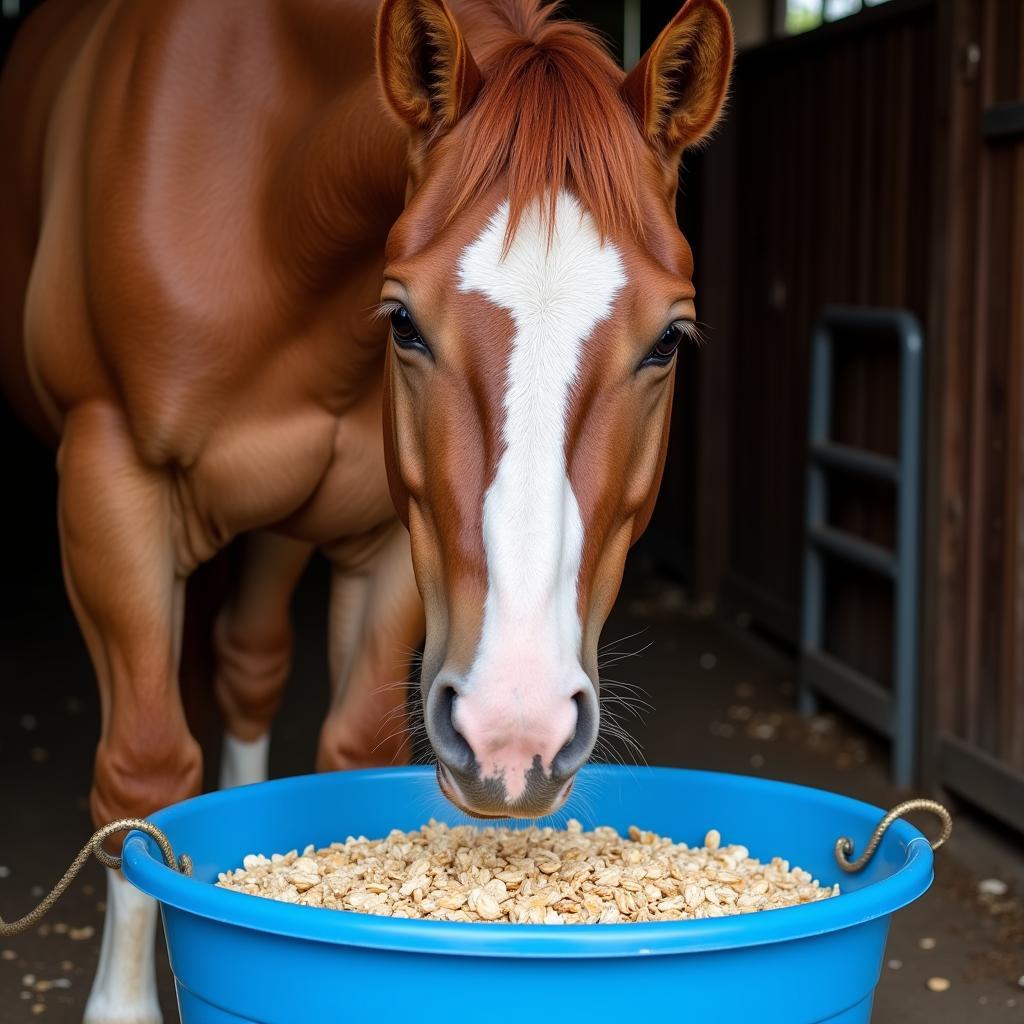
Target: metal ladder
[890,712]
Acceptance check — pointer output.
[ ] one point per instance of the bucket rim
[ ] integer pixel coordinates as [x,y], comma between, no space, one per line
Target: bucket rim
[143,866]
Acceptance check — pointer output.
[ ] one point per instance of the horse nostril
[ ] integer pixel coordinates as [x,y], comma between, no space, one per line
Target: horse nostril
[575,752]
[449,744]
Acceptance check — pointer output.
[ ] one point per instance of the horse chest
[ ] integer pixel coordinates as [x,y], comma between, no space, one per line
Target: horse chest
[352,497]
[307,472]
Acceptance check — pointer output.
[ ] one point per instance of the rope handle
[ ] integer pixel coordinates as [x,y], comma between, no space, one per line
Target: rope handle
[95,846]
[844,845]
[183,864]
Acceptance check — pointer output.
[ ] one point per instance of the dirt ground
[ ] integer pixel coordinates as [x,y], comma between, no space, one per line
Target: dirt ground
[724,701]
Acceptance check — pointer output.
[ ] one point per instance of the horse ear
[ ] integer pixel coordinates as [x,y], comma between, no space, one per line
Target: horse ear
[678,87]
[428,75]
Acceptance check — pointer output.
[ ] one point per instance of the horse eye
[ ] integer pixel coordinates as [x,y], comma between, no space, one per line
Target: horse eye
[405,332]
[666,346]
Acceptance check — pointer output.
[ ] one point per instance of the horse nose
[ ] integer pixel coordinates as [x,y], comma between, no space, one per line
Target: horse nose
[451,747]
[508,754]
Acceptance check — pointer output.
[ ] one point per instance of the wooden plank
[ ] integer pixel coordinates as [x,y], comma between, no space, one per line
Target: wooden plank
[983,779]
[1011,715]
[1015,713]
[976,440]
[716,383]
[1003,122]
[862,697]
[952,301]
[1011,718]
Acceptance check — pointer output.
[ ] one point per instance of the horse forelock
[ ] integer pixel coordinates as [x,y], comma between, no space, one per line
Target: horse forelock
[550,119]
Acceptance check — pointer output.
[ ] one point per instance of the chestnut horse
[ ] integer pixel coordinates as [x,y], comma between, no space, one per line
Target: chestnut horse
[205,202]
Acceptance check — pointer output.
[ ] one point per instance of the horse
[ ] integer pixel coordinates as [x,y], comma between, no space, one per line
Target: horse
[400,284]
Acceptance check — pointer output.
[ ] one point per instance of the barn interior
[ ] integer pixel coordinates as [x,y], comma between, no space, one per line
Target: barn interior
[872,161]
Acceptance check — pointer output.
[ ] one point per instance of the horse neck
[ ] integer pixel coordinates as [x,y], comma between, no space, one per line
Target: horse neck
[341,182]
[339,187]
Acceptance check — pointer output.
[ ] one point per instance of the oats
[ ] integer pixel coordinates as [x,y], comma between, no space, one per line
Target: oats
[487,907]
[531,876]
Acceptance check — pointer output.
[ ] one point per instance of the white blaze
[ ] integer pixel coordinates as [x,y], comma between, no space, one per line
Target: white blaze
[557,290]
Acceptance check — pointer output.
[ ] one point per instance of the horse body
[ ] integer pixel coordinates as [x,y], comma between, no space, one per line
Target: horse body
[205,199]
[213,268]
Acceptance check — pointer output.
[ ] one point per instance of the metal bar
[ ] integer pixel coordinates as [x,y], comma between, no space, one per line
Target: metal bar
[851,548]
[894,712]
[819,416]
[984,780]
[1003,122]
[630,34]
[855,461]
[908,516]
[851,690]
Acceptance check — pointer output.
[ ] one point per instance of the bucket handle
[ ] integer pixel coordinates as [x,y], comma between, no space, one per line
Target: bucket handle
[95,846]
[183,864]
[844,845]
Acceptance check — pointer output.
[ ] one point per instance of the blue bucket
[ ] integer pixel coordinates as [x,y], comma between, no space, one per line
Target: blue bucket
[240,958]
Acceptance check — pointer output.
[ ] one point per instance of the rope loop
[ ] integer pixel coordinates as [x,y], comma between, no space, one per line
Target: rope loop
[94,846]
[844,845]
[183,864]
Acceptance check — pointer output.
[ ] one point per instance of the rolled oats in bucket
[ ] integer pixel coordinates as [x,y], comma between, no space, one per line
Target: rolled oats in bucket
[529,876]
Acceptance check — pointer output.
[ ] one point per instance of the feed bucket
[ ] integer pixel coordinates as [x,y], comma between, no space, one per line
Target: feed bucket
[241,958]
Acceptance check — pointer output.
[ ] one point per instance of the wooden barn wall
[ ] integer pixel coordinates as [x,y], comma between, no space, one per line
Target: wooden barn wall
[974,635]
[881,163]
[830,150]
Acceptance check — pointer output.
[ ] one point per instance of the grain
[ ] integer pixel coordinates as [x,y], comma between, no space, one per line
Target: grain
[529,876]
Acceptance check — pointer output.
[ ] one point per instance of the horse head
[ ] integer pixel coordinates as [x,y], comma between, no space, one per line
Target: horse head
[538,289]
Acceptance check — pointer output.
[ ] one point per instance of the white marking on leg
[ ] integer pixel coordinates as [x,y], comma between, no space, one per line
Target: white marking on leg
[124,989]
[243,763]
[557,294]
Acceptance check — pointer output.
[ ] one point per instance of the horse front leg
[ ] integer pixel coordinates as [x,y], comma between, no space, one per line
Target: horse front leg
[376,623]
[253,644]
[127,591]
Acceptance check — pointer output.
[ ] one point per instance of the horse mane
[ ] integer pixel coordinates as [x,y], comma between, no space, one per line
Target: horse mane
[548,117]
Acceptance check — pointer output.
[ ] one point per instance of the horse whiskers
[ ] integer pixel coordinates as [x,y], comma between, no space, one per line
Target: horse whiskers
[635,706]
[410,732]
[613,657]
[618,684]
[621,640]
[408,709]
[631,746]
[397,685]
[615,722]
[612,725]
[413,653]
[412,704]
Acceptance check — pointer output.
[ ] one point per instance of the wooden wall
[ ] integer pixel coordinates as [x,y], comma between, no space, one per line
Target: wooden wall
[833,162]
[974,635]
[876,162]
